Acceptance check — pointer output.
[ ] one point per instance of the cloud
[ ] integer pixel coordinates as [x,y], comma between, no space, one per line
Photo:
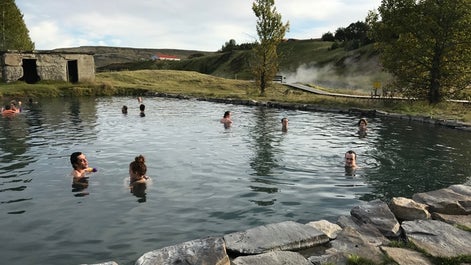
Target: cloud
[184,24]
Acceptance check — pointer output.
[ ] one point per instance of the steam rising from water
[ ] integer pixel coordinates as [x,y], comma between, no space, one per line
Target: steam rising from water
[349,75]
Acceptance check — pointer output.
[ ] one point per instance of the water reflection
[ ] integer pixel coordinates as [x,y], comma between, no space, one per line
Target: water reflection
[405,166]
[139,190]
[263,162]
[14,159]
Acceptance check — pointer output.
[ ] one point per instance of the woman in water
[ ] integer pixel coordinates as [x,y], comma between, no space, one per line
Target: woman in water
[137,174]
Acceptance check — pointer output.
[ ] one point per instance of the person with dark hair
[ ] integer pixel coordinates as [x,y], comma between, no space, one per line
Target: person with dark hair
[350,163]
[226,119]
[284,124]
[362,123]
[350,159]
[137,174]
[142,108]
[124,109]
[80,164]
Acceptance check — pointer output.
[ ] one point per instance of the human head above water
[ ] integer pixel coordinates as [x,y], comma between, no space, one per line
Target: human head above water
[350,159]
[227,114]
[76,158]
[284,123]
[138,166]
[362,122]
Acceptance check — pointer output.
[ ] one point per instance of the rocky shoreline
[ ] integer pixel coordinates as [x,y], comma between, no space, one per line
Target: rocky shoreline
[430,228]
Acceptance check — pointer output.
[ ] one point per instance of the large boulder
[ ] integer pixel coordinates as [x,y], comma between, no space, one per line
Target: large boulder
[454,200]
[378,214]
[369,232]
[437,238]
[287,235]
[407,210]
[208,251]
[349,241]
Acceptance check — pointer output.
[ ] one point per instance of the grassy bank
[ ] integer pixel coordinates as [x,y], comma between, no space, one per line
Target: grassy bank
[199,85]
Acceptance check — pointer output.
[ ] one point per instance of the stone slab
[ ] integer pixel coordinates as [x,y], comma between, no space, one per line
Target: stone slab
[404,256]
[273,258]
[437,238]
[208,251]
[287,235]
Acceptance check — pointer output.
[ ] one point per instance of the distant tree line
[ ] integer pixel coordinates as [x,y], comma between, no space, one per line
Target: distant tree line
[350,38]
[231,45]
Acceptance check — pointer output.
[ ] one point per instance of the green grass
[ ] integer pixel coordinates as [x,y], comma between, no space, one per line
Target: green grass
[206,86]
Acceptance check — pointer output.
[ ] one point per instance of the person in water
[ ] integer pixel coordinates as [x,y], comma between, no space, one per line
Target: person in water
[142,108]
[350,163]
[226,119]
[137,175]
[124,109]
[12,108]
[351,159]
[284,124]
[80,167]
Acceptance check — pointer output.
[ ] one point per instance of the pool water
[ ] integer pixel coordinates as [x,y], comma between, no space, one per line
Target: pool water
[206,180]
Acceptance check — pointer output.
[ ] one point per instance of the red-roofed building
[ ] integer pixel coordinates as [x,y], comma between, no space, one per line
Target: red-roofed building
[160,56]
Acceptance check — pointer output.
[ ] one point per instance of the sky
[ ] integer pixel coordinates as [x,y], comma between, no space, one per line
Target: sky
[204,25]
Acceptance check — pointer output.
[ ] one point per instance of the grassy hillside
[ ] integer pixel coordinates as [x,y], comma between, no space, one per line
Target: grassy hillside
[105,56]
[305,61]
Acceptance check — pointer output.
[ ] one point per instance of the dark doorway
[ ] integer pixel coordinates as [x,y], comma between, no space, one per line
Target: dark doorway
[30,72]
[72,71]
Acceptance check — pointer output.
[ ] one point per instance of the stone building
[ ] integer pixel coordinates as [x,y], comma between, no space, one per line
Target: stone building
[34,66]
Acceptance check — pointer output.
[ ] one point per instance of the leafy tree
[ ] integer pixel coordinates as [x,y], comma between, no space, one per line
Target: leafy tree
[14,34]
[426,45]
[328,36]
[271,31]
[229,46]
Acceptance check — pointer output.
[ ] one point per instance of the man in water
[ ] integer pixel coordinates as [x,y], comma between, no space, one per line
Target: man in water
[350,159]
[80,164]
[350,163]
[284,124]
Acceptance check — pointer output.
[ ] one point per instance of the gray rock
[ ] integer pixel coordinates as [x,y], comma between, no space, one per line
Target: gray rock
[349,242]
[369,232]
[407,210]
[378,214]
[437,238]
[463,220]
[454,200]
[208,251]
[104,263]
[272,258]
[326,227]
[337,258]
[280,236]
[404,256]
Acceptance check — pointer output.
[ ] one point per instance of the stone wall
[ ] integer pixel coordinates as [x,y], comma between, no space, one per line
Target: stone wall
[49,65]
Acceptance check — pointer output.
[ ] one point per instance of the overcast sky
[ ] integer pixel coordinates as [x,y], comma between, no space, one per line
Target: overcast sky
[203,25]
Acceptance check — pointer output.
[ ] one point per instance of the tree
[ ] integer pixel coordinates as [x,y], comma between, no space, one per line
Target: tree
[271,31]
[229,46]
[14,34]
[328,36]
[426,45]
